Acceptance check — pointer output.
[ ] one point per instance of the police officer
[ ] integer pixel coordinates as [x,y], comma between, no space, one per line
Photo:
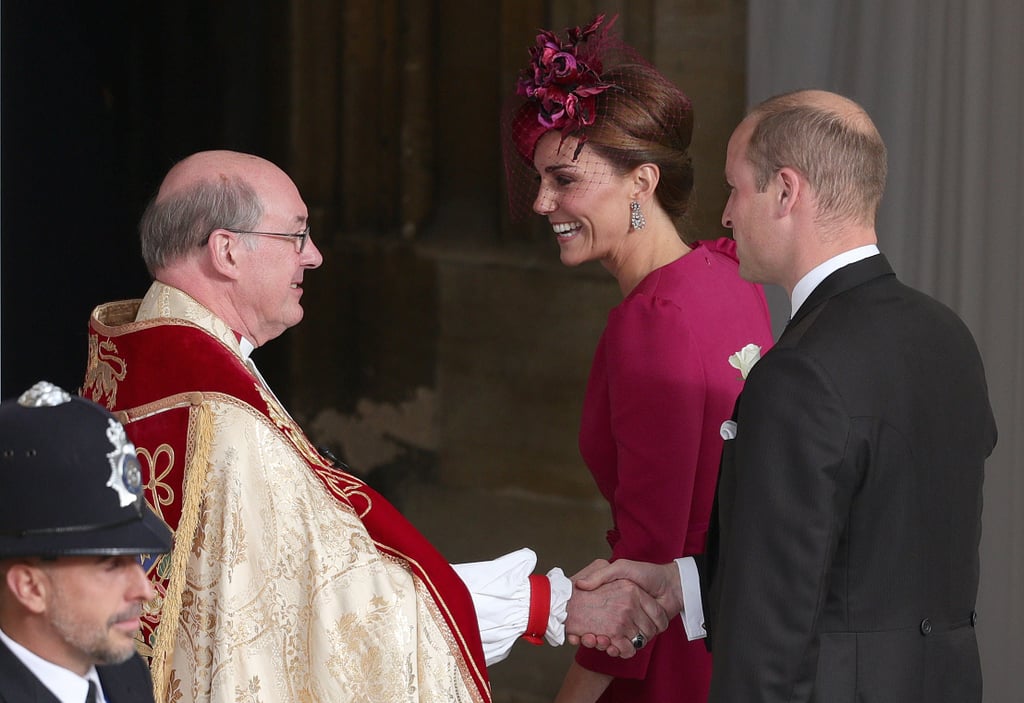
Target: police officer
[74,529]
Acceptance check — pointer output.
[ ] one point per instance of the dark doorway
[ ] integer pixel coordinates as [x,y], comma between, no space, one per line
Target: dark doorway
[98,100]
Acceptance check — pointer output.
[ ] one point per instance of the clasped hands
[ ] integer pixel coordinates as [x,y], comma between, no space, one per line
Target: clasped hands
[612,602]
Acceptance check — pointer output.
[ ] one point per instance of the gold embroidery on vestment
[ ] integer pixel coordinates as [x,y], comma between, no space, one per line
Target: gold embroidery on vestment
[338,482]
[159,490]
[222,639]
[197,461]
[104,370]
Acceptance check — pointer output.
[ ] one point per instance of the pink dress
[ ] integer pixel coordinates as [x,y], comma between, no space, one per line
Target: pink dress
[660,387]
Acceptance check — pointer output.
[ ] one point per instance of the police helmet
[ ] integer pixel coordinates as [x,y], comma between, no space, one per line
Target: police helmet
[70,482]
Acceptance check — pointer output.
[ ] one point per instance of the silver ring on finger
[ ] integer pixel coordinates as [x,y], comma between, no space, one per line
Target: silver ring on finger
[638,641]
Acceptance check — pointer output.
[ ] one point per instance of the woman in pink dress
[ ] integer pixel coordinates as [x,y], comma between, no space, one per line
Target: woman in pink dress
[602,139]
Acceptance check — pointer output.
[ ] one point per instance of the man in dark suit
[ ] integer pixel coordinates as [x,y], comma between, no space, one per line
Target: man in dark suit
[73,526]
[842,564]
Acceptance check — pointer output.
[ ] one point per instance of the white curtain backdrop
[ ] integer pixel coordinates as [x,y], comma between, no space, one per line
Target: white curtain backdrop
[944,82]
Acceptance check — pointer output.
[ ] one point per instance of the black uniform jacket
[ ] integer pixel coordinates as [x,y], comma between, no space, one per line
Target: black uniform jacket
[122,683]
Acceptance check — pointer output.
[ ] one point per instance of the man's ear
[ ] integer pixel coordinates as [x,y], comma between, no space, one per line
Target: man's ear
[645,182]
[790,188]
[223,249]
[29,585]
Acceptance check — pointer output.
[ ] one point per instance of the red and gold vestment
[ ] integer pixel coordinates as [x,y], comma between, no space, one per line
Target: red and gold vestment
[289,580]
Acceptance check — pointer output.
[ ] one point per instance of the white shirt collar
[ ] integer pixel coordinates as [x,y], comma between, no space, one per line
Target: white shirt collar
[245,347]
[806,285]
[65,684]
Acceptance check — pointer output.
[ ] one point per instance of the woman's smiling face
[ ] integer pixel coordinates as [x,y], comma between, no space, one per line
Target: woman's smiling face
[586,200]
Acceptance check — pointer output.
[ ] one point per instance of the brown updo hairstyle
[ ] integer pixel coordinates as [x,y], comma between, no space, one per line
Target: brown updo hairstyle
[646,119]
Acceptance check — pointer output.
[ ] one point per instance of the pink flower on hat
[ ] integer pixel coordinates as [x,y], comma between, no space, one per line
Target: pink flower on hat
[561,83]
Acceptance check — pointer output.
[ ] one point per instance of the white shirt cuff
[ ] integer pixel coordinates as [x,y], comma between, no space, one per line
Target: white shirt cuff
[693,606]
[501,596]
[561,592]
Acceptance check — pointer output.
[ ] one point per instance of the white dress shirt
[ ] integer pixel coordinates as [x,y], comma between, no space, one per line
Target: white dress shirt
[806,285]
[65,684]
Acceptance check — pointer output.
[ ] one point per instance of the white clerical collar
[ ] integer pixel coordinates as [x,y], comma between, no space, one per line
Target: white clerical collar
[806,285]
[245,347]
[65,684]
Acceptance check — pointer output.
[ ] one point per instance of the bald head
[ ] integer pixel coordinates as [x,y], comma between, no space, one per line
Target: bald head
[203,192]
[211,167]
[231,230]
[851,113]
[831,141]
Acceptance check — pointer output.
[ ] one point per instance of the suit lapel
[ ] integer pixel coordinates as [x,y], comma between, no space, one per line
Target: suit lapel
[126,683]
[122,683]
[18,684]
[840,281]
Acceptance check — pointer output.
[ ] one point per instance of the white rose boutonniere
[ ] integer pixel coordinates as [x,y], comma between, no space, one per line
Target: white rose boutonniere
[745,359]
[728,430]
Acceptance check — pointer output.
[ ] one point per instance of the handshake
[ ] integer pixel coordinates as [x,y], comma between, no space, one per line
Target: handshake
[617,608]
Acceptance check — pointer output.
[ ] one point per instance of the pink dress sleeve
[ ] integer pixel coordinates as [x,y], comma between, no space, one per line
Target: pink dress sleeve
[660,388]
[655,409]
[657,396]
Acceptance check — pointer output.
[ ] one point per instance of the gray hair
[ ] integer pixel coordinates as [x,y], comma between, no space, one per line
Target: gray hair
[173,227]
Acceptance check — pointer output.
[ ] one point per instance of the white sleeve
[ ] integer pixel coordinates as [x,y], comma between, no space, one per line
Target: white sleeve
[501,596]
[693,606]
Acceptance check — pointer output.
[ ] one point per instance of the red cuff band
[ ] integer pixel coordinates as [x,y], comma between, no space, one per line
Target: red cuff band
[540,607]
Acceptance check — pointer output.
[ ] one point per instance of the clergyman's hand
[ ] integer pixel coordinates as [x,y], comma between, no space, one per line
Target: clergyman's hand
[611,614]
[659,581]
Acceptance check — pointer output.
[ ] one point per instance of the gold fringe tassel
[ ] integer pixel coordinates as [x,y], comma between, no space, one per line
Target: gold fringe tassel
[197,458]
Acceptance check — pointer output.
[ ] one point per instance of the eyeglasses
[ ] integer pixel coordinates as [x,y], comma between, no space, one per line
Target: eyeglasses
[300,237]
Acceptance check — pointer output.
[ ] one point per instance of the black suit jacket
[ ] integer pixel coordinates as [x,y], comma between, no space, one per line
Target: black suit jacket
[122,683]
[842,563]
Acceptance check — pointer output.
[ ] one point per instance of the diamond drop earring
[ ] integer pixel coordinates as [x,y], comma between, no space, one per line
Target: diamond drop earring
[636,217]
